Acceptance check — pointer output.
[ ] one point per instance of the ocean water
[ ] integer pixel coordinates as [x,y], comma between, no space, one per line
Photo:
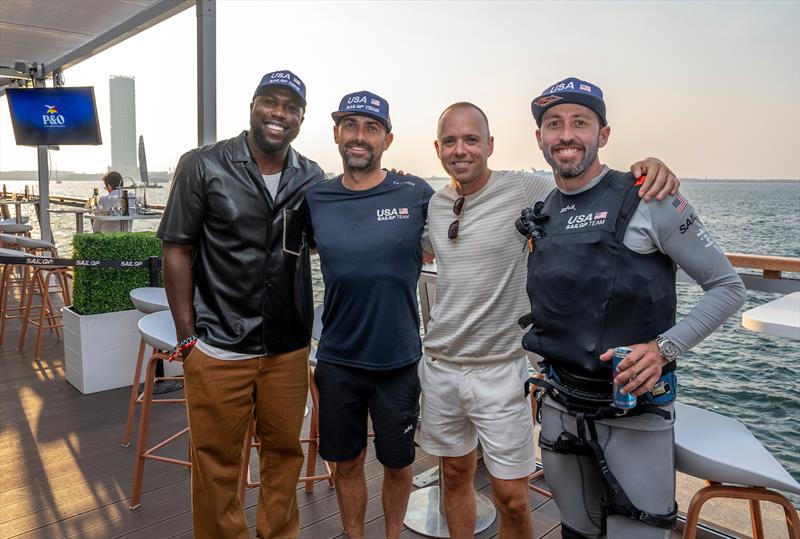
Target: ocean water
[736,372]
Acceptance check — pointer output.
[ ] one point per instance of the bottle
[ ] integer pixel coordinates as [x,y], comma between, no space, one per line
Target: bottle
[125,203]
[94,200]
[5,191]
[27,192]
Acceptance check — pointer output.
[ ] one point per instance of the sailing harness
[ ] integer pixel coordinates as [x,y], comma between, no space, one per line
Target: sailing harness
[588,407]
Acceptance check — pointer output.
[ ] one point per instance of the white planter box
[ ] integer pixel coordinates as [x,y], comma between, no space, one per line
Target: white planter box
[100,350]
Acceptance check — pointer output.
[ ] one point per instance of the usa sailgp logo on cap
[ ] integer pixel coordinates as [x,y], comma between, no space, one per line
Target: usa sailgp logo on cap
[360,102]
[392,214]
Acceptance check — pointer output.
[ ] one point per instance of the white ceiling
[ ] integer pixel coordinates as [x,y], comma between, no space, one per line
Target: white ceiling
[61,33]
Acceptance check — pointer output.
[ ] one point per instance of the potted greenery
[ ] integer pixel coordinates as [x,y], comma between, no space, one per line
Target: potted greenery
[101,338]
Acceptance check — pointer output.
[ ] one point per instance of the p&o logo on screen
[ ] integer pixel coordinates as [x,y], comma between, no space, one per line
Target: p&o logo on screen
[52,118]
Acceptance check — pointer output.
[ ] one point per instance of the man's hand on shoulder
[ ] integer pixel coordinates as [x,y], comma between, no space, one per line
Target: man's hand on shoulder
[659,181]
[639,370]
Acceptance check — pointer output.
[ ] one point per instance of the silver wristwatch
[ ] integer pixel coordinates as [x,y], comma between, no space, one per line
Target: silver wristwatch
[667,348]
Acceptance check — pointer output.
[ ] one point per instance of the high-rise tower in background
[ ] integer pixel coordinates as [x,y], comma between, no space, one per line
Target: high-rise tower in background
[122,92]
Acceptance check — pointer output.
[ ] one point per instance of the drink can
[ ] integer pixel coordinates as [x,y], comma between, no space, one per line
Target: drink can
[626,401]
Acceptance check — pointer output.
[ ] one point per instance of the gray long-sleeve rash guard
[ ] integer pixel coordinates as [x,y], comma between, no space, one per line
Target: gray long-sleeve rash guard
[673,227]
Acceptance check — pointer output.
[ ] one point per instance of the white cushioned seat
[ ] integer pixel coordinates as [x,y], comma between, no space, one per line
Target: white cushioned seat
[158,330]
[717,448]
[149,299]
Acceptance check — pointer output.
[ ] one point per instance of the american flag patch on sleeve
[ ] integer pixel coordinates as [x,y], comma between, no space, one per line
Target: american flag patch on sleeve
[679,203]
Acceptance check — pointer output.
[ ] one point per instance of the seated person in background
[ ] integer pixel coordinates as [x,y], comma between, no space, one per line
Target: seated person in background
[111,203]
[112,181]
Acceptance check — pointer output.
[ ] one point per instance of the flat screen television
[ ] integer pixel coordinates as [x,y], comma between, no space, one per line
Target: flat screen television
[54,116]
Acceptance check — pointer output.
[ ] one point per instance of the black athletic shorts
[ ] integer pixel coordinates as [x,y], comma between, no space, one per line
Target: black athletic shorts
[347,394]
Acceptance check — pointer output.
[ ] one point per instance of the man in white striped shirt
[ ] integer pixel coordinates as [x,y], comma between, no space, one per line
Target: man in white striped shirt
[474,368]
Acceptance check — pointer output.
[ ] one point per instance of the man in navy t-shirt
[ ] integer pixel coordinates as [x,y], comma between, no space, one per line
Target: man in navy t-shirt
[367,224]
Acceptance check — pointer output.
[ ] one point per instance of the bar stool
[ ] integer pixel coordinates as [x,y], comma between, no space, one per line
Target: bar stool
[13,221]
[9,241]
[39,247]
[734,464]
[147,300]
[41,281]
[16,228]
[158,331]
[7,283]
[31,245]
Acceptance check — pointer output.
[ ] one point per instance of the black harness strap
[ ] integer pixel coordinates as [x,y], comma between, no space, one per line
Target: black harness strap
[616,499]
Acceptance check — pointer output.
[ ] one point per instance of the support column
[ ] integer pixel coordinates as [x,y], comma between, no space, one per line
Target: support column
[44,194]
[206,72]
[44,187]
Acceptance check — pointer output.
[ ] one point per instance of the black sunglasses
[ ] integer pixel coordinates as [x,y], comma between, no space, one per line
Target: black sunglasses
[458,208]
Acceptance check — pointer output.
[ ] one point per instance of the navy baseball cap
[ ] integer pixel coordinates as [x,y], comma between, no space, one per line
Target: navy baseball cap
[282,79]
[570,90]
[364,103]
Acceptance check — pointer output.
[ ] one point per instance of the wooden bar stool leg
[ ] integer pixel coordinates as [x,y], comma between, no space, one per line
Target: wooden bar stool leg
[144,426]
[43,278]
[66,293]
[4,301]
[244,475]
[126,439]
[753,495]
[755,519]
[27,314]
[25,273]
[188,438]
[792,520]
[54,324]
[313,432]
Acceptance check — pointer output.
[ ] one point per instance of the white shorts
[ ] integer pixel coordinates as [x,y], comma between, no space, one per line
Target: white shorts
[464,403]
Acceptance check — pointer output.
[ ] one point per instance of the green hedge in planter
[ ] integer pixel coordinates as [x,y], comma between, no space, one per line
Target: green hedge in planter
[107,290]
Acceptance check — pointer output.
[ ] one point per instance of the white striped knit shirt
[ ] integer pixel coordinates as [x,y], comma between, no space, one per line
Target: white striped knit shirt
[480,288]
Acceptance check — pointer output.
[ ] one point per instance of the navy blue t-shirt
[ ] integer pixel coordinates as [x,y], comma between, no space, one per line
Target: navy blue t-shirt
[371,256]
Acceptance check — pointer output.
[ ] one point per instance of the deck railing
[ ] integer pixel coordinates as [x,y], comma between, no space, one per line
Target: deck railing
[772,277]
[75,202]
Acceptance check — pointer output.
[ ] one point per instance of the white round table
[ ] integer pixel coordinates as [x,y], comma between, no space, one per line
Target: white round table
[778,317]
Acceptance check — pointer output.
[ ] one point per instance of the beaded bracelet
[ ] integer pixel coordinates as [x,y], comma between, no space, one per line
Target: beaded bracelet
[183,345]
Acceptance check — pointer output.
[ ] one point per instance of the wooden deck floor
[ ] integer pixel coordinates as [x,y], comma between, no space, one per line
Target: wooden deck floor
[64,474]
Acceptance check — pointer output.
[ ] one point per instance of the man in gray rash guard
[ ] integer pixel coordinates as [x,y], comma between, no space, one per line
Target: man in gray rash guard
[601,274]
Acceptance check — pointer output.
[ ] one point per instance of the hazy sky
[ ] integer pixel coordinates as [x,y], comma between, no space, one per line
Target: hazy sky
[712,88]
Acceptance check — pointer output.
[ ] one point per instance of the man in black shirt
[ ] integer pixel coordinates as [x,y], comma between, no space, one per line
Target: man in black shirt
[238,279]
[367,226]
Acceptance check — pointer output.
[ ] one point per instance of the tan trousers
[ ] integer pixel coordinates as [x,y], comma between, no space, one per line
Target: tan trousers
[220,396]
